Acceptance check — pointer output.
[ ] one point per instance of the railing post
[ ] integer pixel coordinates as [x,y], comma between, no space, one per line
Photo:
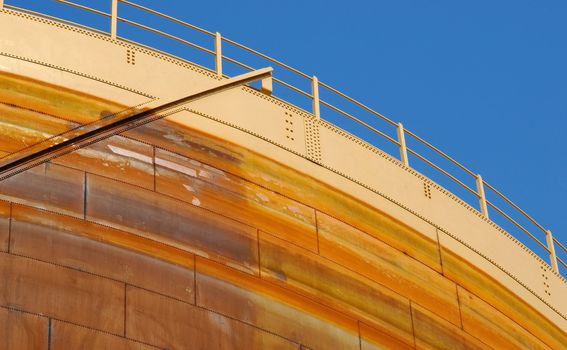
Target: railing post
[113,18]
[315,95]
[481,195]
[1,4]
[218,54]
[403,147]
[551,247]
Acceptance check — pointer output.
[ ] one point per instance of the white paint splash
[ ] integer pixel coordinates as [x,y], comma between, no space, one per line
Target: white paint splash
[130,154]
[203,173]
[262,197]
[176,167]
[196,201]
[294,210]
[189,188]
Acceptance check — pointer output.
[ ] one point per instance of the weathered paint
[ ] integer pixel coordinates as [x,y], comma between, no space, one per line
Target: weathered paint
[85,246]
[168,323]
[66,336]
[48,186]
[62,293]
[23,331]
[236,198]
[174,222]
[382,263]
[5,209]
[107,237]
[333,285]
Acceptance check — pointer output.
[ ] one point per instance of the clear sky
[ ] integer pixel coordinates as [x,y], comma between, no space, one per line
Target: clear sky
[485,80]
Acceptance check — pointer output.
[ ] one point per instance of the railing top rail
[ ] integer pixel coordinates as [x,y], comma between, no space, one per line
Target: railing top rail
[163,15]
[514,206]
[139,25]
[273,60]
[314,96]
[443,154]
[83,7]
[359,104]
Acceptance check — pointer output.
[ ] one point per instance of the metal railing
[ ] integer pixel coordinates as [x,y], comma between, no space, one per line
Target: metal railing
[512,216]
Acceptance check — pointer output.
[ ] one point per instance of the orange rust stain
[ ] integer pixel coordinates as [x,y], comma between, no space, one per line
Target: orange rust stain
[432,332]
[342,289]
[246,192]
[494,293]
[274,292]
[47,186]
[53,100]
[290,183]
[62,293]
[373,339]
[174,222]
[221,192]
[4,225]
[118,158]
[170,324]
[497,330]
[384,264]
[22,331]
[68,336]
[103,234]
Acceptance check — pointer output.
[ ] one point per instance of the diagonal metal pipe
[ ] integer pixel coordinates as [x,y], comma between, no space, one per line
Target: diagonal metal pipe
[117,124]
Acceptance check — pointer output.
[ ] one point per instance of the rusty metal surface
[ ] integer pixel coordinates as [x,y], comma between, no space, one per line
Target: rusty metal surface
[167,323]
[281,179]
[118,158]
[48,186]
[62,293]
[5,209]
[65,336]
[168,220]
[477,282]
[21,331]
[497,330]
[342,289]
[380,262]
[216,190]
[53,238]
[432,332]
[273,308]
[169,236]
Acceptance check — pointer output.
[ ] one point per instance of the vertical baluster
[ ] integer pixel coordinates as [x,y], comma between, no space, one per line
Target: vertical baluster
[551,247]
[113,18]
[403,147]
[481,195]
[315,95]
[218,54]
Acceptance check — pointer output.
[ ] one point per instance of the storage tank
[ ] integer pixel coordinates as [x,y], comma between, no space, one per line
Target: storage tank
[231,218]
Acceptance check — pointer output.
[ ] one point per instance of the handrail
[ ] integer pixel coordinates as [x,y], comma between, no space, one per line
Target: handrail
[345,96]
[431,164]
[356,120]
[518,225]
[163,15]
[314,96]
[514,205]
[560,245]
[283,65]
[441,153]
[199,47]
[83,7]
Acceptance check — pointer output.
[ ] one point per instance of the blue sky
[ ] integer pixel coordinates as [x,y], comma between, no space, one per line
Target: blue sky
[485,81]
